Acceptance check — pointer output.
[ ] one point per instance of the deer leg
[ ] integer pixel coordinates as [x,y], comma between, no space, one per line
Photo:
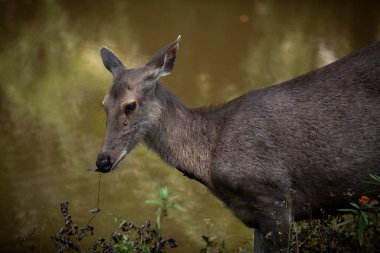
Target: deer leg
[258,242]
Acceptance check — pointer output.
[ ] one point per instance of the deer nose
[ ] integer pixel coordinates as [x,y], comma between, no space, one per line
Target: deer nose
[103,163]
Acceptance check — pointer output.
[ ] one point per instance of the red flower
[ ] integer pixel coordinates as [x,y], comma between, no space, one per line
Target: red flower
[363,200]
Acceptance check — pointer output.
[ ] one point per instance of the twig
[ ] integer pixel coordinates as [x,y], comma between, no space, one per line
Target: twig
[307,238]
[97,202]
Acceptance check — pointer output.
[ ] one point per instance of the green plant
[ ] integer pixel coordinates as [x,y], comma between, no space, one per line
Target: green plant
[165,202]
[358,230]
[359,216]
[375,179]
[130,239]
[144,239]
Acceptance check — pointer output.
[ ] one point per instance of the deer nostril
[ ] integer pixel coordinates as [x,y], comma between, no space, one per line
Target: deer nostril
[103,163]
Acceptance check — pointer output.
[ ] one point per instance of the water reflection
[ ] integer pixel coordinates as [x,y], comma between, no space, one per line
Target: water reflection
[52,83]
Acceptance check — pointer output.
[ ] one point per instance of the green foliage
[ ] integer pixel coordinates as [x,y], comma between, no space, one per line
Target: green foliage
[360,217]
[142,238]
[375,179]
[364,216]
[358,230]
[129,239]
[165,202]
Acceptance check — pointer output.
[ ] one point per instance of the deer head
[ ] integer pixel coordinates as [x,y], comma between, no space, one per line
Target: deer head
[131,104]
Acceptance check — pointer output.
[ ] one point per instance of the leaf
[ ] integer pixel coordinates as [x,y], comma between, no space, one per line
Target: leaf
[344,223]
[355,205]
[376,179]
[365,217]
[163,192]
[121,248]
[173,197]
[179,207]
[94,210]
[154,201]
[145,249]
[347,210]
[124,247]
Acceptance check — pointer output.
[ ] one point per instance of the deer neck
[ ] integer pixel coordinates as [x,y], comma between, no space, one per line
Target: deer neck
[184,137]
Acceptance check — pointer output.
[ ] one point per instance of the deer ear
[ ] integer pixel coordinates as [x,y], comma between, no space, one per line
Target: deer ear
[110,61]
[162,63]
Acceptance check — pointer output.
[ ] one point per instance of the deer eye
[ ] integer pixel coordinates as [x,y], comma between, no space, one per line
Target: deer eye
[130,107]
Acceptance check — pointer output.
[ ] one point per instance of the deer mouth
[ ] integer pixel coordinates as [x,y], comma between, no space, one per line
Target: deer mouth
[119,159]
[116,164]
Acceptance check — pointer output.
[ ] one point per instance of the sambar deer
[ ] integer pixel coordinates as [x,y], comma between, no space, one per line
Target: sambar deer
[273,155]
